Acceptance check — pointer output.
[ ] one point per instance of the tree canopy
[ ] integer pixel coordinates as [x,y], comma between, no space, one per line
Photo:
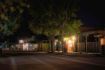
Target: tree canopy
[10,15]
[55,18]
[49,17]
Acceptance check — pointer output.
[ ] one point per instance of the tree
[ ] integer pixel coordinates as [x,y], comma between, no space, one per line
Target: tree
[10,15]
[55,19]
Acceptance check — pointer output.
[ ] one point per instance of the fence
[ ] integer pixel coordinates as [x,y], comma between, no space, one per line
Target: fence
[93,47]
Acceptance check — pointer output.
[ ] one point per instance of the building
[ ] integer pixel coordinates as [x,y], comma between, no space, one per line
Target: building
[91,40]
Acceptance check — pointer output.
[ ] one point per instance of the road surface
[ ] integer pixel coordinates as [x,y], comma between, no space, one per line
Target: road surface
[51,62]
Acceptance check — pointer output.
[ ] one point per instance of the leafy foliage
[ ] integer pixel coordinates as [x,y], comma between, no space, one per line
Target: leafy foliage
[55,19]
[10,14]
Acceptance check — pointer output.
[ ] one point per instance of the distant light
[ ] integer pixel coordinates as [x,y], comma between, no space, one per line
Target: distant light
[21,41]
[25,46]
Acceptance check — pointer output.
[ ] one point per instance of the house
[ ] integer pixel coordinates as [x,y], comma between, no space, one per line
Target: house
[91,40]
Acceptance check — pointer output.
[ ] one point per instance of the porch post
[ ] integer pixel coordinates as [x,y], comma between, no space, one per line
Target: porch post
[78,43]
[86,42]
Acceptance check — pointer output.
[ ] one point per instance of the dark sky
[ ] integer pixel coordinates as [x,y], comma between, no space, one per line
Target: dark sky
[92,12]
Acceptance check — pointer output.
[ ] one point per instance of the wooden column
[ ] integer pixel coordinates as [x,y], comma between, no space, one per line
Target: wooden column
[86,42]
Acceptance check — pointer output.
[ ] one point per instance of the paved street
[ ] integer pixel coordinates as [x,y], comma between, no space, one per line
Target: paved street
[51,62]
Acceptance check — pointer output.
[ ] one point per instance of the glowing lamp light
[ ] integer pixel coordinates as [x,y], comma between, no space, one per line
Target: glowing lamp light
[73,38]
[66,39]
[70,46]
[69,43]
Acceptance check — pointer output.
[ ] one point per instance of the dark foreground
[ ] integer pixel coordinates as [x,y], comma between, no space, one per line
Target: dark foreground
[51,62]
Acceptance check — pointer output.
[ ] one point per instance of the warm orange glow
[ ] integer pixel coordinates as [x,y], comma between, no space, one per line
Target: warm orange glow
[70,41]
[102,41]
[70,46]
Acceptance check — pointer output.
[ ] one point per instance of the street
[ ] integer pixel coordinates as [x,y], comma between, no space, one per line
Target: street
[51,62]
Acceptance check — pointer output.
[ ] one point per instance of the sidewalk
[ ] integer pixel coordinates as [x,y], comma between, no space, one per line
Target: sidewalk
[84,54]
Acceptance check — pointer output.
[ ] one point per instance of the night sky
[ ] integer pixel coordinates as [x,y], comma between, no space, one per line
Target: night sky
[92,13]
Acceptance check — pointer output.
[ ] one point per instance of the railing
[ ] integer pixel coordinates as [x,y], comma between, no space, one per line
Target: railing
[91,47]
